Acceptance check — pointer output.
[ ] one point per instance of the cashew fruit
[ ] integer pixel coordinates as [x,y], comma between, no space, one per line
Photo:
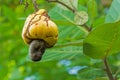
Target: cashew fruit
[38,26]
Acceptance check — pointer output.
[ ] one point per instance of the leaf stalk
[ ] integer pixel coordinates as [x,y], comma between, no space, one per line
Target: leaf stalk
[108,69]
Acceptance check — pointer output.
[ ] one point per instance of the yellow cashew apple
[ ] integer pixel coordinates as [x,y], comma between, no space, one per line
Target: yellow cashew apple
[39,32]
[39,26]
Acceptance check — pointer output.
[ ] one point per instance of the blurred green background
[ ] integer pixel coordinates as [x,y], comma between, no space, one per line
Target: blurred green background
[62,62]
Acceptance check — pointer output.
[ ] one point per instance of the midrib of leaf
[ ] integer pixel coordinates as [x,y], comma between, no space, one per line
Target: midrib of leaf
[77,43]
[76,51]
[55,55]
[112,42]
[65,17]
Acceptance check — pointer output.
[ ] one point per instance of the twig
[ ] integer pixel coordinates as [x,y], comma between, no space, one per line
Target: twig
[35,5]
[26,5]
[57,1]
[108,70]
[87,28]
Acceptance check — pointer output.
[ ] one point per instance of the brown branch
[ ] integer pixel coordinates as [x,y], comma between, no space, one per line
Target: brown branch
[35,5]
[26,5]
[57,1]
[87,28]
[108,70]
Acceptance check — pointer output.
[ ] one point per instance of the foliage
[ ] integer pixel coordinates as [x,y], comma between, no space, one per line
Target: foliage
[103,40]
[60,62]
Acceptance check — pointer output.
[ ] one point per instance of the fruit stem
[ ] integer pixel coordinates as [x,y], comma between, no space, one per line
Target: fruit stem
[35,5]
[107,69]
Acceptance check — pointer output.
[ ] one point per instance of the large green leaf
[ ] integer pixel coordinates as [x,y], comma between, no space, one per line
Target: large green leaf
[114,12]
[103,40]
[89,73]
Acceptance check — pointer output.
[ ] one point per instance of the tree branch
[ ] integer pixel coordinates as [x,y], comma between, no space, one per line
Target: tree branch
[108,70]
[35,5]
[57,1]
[26,5]
[87,28]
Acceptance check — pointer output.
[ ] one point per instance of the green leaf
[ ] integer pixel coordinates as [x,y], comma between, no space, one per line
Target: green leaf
[81,17]
[103,40]
[101,78]
[9,14]
[61,53]
[98,21]
[57,13]
[89,73]
[71,3]
[92,9]
[114,12]
[82,2]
